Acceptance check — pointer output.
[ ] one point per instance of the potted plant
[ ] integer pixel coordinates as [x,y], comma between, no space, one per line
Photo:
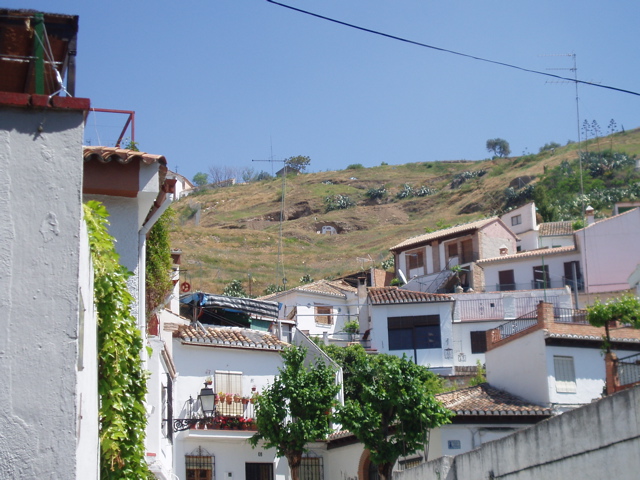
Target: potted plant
[208,380]
[221,397]
[229,398]
[245,400]
[237,397]
[351,327]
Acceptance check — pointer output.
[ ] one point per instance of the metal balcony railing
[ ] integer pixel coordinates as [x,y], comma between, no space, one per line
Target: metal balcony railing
[570,315]
[513,327]
[629,369]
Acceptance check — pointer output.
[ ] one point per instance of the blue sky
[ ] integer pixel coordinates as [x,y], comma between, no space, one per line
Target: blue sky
[222,82]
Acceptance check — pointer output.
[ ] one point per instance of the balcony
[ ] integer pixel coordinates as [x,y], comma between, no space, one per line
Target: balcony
[229,412]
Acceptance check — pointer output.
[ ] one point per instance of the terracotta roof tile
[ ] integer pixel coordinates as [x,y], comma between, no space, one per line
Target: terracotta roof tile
[550,229]
[530,254]
[395,295]
[120,155]
[229,337]
[575,331]
[484,399]
[458,229]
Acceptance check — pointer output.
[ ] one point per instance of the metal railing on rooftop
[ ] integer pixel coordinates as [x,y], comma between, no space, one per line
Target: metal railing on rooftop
[570,315]
[513,327]
[629,369]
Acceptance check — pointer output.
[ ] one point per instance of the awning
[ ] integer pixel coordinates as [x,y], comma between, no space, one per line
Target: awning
[250,306]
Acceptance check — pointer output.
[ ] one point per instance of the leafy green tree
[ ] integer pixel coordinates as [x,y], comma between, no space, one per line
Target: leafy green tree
[200,179]
[389,404]
[235,289]
[299,162]
[499,147]
[296,408]
[625,309]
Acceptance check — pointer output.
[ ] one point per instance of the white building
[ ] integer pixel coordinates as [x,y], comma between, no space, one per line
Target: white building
[553,358]
[522,222]
[426,260]
[320,308]
[446,333]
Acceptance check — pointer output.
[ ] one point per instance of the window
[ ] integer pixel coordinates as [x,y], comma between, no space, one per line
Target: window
[541,276]
[415,259]
[569,268]
[516,220]
[311,468]
[323,314]
[228,382]
[199,465]
[506,280]
[565,374]
[414,333]
[258,471]
[478,342]
[453,249]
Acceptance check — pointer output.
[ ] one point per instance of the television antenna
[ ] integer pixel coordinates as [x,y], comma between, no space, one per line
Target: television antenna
[280,273]
[362,261]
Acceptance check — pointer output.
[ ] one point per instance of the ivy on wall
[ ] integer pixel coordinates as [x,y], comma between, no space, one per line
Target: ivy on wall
[158,263]
[121,379]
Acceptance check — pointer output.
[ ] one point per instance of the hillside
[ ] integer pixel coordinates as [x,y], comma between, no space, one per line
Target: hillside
[239,229]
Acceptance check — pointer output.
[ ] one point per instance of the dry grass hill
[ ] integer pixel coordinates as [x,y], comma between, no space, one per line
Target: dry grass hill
[239,228]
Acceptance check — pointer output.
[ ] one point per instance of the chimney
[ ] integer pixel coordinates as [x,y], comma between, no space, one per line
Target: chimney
[362,289]
[590,218]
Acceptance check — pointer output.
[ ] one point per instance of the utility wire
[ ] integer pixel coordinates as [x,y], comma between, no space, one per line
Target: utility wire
[453,52]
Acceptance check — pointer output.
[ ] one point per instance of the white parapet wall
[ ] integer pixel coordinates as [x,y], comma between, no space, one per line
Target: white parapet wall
[597,441]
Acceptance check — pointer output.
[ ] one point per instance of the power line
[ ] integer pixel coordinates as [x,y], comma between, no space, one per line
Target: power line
[453,52]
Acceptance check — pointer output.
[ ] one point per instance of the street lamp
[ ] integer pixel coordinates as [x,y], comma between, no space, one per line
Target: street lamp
[207,400]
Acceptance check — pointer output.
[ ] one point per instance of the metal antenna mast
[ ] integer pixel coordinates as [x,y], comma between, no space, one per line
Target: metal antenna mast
[280,273]
[575,81]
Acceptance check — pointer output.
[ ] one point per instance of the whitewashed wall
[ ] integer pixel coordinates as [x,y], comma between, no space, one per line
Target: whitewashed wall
[589,370]
[433,357]
[523,270]
[40,232]
[610,251]
[520,368]
[230,447]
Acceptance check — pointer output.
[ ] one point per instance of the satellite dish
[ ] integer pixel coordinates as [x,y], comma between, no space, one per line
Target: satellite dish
[402,277]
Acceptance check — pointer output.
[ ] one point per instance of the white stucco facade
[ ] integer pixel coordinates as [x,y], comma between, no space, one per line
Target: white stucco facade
[522,222]
[47,326]
[229,448]
[610,253]
[428,357]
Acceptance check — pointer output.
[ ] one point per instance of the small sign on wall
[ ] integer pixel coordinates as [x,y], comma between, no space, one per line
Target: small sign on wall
[453,444]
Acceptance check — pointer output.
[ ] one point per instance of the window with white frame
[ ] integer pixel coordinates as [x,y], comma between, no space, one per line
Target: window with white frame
[565,374]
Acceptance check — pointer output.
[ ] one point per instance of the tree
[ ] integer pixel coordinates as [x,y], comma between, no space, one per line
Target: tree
[221,174]
[499,147]
[625,309]
[300,162]
[248,174]
[235,289]
[200,179]
[389,404]
[296,408]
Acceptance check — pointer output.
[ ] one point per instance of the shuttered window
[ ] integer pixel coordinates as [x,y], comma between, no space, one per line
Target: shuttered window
[565,374]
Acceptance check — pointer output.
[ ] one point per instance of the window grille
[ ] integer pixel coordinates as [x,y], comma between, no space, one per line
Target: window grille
[311,468]
[259,471]
[200,465]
